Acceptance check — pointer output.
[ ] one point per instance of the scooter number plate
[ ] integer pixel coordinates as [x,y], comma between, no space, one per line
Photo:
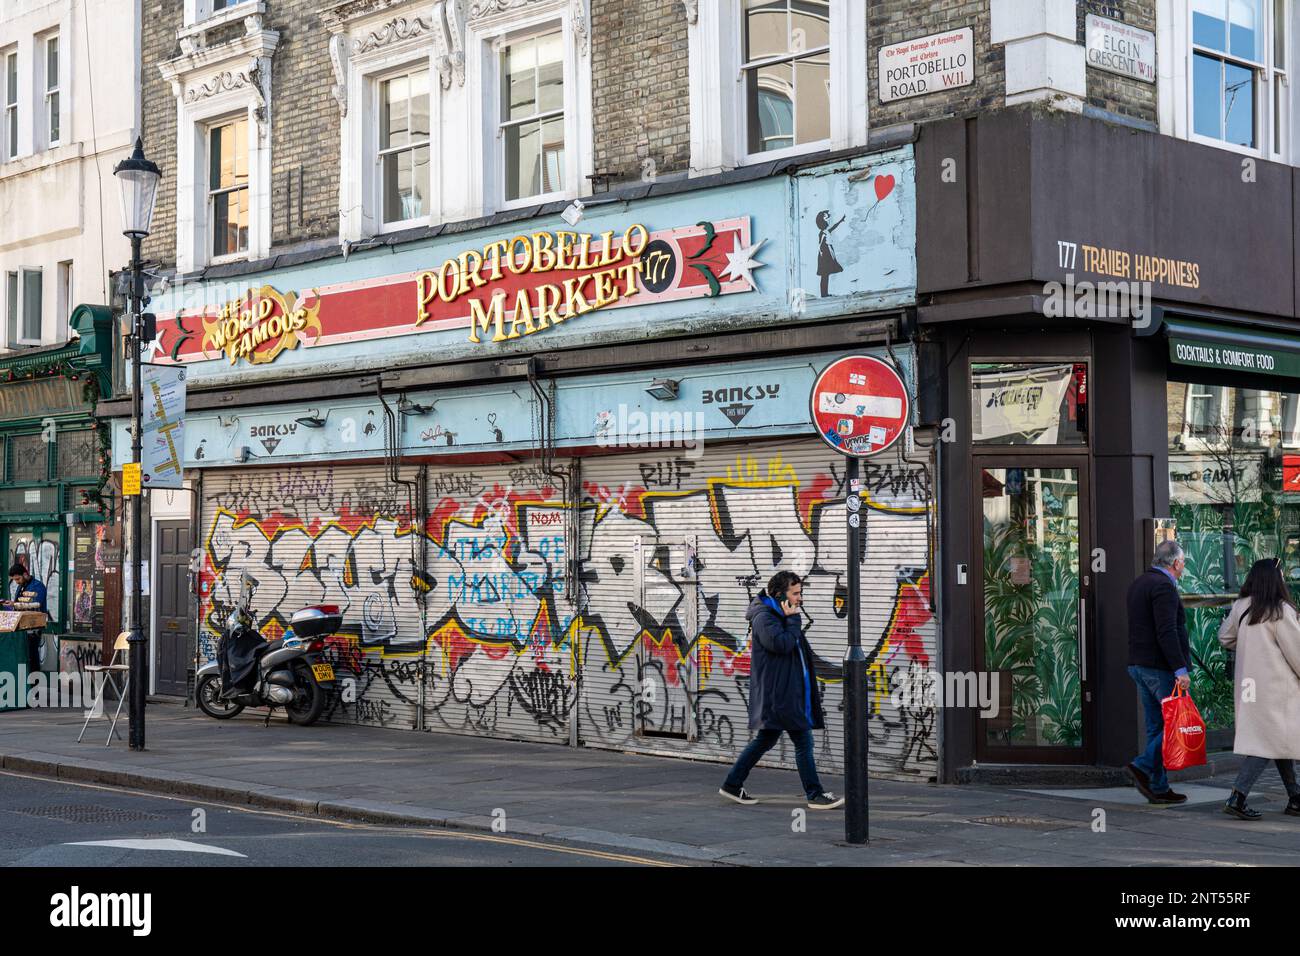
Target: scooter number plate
[323,671]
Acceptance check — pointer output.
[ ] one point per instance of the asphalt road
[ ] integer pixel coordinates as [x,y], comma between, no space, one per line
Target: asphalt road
[49,823]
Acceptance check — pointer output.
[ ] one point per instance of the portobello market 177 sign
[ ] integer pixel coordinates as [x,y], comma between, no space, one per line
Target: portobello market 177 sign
[506,289]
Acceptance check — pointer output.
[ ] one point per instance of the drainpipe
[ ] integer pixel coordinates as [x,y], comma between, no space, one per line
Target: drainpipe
[930,457]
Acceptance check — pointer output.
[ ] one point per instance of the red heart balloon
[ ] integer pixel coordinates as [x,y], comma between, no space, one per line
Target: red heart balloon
[884,186]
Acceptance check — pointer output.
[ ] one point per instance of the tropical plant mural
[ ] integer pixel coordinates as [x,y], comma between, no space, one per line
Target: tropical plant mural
[1031,606]
[1200,531]
[1233,513]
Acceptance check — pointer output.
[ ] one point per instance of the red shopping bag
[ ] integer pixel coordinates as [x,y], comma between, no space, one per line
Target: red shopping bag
[1184,731]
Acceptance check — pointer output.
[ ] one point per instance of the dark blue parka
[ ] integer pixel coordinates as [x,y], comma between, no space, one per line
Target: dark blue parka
[776,687]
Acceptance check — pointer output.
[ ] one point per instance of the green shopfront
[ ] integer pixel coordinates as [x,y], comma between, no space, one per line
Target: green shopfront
[1233,424]
[53,508]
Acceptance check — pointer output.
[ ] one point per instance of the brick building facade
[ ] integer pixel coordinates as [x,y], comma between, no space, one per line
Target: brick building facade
[642,91]
[159,24]
[641,103]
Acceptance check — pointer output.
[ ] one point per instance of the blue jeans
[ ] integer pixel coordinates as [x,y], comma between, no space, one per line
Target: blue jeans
[1252,767]
[1155,685]
[765,741]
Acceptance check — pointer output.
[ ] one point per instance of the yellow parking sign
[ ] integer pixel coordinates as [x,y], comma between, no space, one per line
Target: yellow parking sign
[131,478]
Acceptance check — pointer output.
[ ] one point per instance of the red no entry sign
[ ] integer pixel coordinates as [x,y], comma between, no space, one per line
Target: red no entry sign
[859,405]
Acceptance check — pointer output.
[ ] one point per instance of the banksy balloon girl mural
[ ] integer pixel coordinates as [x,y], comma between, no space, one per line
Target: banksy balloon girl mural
[827,264]
[854,229]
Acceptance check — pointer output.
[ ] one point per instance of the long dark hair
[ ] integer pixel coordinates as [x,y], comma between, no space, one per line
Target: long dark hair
[1267,590]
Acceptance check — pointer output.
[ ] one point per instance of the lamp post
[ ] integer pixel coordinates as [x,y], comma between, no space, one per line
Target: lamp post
[138,179]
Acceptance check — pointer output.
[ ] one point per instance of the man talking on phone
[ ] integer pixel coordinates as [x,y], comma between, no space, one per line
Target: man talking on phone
[783,694]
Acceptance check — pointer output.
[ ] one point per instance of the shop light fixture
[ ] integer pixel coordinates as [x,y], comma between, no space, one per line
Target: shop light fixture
[408,407]
[573,212]
[664,389]
[313,420]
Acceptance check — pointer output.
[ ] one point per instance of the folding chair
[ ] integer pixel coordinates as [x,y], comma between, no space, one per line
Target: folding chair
[120,647]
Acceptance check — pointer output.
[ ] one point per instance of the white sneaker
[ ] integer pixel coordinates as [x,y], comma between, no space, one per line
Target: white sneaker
[827,801]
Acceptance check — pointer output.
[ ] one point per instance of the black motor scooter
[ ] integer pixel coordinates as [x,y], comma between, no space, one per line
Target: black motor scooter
[250,671]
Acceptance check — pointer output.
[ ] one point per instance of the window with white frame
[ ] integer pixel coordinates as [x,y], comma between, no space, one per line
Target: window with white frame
[225,105]
[403,147]
[531,118]
[196,11]
[531,123]
[51,84]
[228,198]
[1237,87]
[1205,417]
[787,74]
[1289,420]
[11,105]
[23,306]
[772,78]
[65,302]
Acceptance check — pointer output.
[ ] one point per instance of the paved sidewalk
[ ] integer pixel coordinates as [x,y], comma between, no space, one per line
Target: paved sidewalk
[631,802]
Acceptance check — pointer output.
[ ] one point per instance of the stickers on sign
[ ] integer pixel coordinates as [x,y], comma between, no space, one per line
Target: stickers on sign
[131,478]
[854,519]
[859,405]
[855,485]
[853,503]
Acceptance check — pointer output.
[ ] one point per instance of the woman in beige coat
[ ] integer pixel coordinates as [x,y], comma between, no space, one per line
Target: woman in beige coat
[1264,629]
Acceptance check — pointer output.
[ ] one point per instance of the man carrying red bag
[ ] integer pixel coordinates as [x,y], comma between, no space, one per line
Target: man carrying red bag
[1159,655]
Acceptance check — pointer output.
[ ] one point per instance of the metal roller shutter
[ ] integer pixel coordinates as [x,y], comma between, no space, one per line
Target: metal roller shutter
[313,534]
[468,625]
[500,657]
[665,652]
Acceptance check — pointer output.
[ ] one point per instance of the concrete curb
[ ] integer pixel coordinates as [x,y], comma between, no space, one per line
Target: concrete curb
[1041,775]
[327,807]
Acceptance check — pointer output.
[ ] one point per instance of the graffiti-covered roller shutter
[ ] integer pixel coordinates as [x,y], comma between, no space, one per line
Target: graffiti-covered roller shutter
[665,644]
[319,534]
[500,656]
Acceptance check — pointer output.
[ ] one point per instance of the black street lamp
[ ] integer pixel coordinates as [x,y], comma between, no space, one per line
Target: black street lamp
[138,179]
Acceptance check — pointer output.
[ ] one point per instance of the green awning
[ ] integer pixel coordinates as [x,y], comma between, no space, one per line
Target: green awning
[1227,348]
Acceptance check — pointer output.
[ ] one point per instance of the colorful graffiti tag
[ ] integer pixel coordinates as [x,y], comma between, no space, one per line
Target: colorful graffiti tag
[504,613]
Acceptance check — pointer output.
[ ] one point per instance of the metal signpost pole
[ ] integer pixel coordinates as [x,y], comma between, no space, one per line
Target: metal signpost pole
[855,677]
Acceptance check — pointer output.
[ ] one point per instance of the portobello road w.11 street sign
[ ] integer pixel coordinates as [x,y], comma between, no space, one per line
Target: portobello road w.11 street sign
[859,405]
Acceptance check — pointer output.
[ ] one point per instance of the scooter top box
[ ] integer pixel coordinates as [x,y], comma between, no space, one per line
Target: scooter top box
[320,620]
